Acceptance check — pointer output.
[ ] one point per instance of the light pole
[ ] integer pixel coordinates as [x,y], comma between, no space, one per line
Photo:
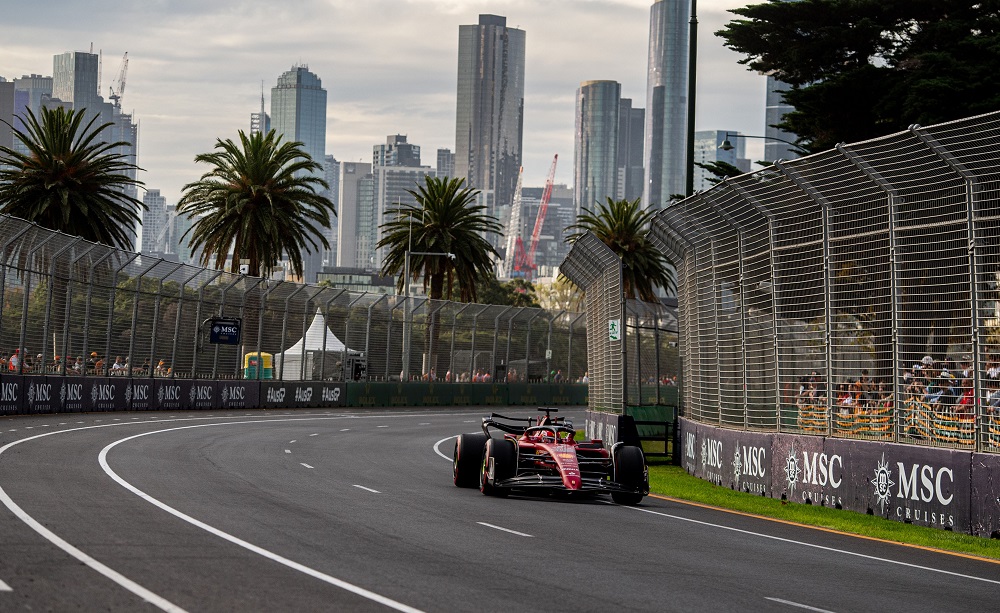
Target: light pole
[728,146]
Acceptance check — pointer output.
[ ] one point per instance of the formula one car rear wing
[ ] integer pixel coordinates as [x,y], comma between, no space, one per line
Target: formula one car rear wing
[517,430]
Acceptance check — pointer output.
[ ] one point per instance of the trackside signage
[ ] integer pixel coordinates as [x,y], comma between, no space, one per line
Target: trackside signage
[939,488]
[238,394]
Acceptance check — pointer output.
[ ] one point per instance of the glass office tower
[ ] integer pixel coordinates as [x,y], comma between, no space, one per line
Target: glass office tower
[490,108]
[666,101]
[595,167]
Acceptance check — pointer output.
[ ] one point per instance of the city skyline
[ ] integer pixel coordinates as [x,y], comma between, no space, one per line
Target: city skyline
[190,83]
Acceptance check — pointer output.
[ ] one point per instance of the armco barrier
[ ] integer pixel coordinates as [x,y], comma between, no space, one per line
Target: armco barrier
[927,486]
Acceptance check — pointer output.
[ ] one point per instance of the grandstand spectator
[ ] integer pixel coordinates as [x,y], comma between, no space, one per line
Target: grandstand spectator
[118,368]
[161,369]
[15,361]
[966,366]
[78,366]
[946,396]
[992,392]
[967,401]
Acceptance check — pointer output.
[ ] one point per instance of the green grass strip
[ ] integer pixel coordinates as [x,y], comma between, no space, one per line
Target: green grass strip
[672,481]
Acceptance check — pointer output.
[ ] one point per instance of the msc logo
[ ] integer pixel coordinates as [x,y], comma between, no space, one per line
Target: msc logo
[71,393]
[233,393]
[711,453]
[8,392]
[201,393]
[39,392]
[689,441]
[104,392]
[169,393]
[749,462]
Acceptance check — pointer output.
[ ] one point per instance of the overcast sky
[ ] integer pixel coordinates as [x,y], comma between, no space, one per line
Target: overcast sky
[389,66]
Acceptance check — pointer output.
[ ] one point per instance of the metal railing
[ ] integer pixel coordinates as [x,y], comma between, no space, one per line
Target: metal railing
[851,293]
[70,307]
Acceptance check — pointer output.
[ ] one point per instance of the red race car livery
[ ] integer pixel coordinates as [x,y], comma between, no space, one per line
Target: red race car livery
[544,454]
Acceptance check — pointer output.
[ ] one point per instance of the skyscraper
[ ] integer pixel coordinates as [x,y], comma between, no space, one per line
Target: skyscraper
[631,128]
[298,113]
[489,119]
[155,229]
[595,167]
[332,170]
[666,101]
[396,152]
[356,213]
[35,88]
[260,121]
[774,113]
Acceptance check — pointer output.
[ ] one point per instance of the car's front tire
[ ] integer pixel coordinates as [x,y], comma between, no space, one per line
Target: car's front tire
[468,458]
[500,459]
[630,472]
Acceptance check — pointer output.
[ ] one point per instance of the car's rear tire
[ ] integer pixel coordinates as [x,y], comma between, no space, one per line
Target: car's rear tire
[503,456]
[468,458]
[630,472]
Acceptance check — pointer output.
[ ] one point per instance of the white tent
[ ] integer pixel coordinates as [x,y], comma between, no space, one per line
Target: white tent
[312,344]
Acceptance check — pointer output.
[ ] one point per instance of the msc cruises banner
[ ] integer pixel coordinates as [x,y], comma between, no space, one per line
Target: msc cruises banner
[939,488]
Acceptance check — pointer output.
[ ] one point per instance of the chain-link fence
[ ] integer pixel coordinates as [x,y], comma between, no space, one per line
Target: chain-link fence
[851,293]
[70,307]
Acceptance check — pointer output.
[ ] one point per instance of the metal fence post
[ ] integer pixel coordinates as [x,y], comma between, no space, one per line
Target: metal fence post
[90,296]
[48,302]
[197,321]
[27,294]
[802,184]
[177,323]
[135,313]
[111,308]
[3,264]
[972,188]
[368,325]
[388,342]
[326,329]
[451,352]
[892,196]
[510,332]
[268,288]
[347,321]
[496,334]
[222,313]
[243,307]
[68,311]
[156,317]
[548,350]
[284,327]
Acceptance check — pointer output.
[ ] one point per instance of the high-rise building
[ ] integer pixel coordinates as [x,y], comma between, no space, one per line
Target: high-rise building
[298,113]
[33,89]
[774,112]
[331,169]
[392,185]
[445,163]
[6,113]
[666,101]
[595,167]
[560,214]
[396,152]
[706,151]
[356,198]
[154,223]
[75,85]
[489,119]
[631,127]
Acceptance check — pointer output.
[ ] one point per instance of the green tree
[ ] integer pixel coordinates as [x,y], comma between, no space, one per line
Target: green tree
[446,220]
[259,200]
[69,180]
[516,292]
[622,225]
[859,69]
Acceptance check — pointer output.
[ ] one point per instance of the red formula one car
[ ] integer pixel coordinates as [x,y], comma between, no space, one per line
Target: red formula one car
[544,454]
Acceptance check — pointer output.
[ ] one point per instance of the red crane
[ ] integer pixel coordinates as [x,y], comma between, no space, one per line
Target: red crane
[524,262]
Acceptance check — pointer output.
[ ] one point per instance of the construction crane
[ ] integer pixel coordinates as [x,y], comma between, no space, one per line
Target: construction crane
[117,87]
[524,264]
[513,231]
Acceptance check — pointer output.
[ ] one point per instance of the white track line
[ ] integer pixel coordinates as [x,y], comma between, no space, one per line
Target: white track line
[4,587]
[304,464]
[367,489]
[797,604]
[437,447]
[288,451]
[344,585]
[317,434]
[344,429]
[482,523]
[813,545]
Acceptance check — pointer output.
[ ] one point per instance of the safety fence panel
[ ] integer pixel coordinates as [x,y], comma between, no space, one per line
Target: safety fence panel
[852,293]
[595,268]
[73,308]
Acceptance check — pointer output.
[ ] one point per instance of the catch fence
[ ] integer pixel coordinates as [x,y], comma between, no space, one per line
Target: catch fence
[70,307]
[851,293]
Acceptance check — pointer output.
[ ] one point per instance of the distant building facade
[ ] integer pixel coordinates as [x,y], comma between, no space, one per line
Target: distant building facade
[298,113]
[595,166]
[706,151]
[489,119]
[7,104]
[631,131]
[666,101]
[445,163]
[396,152]
[774,113]
[356,192]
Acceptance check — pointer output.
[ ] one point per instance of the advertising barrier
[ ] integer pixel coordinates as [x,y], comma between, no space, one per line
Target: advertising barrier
[926,486]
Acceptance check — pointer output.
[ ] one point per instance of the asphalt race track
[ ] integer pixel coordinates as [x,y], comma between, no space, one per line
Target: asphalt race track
[336,511]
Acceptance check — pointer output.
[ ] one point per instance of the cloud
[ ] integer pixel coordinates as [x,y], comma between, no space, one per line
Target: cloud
[389,66]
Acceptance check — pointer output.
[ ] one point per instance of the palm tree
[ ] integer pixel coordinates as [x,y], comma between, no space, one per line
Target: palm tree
[622,225]
[445,220]
[258,201]
[69,180]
